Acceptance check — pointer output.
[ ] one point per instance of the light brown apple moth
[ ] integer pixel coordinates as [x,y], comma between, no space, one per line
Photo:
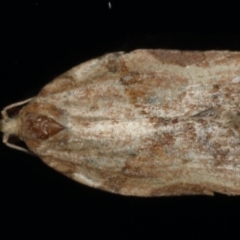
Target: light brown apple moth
[144,123]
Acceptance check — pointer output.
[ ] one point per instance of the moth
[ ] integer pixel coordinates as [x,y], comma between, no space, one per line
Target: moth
[144,123]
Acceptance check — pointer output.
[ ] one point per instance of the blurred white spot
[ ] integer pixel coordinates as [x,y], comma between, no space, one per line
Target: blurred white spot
[109,5]
[236,79]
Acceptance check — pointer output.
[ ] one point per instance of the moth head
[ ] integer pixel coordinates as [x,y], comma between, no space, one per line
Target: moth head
[11,125]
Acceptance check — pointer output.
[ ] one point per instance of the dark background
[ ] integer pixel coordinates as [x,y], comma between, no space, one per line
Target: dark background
[39,41]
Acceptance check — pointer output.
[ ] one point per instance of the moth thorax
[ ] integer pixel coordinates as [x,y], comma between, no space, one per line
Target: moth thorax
[39,127]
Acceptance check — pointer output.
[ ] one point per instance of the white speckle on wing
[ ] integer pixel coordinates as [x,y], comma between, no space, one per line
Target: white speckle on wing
[236,79]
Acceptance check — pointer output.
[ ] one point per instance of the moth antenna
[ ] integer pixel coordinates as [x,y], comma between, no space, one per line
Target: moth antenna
[1,125]
[5,141]
[4,111]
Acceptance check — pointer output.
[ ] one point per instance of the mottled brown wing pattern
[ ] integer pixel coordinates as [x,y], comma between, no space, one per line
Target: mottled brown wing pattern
[144,123]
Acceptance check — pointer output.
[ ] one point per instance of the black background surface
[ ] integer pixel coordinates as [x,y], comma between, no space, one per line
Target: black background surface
[41,40]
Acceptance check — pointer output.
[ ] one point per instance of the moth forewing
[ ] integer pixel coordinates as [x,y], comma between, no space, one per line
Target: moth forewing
[144,123]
